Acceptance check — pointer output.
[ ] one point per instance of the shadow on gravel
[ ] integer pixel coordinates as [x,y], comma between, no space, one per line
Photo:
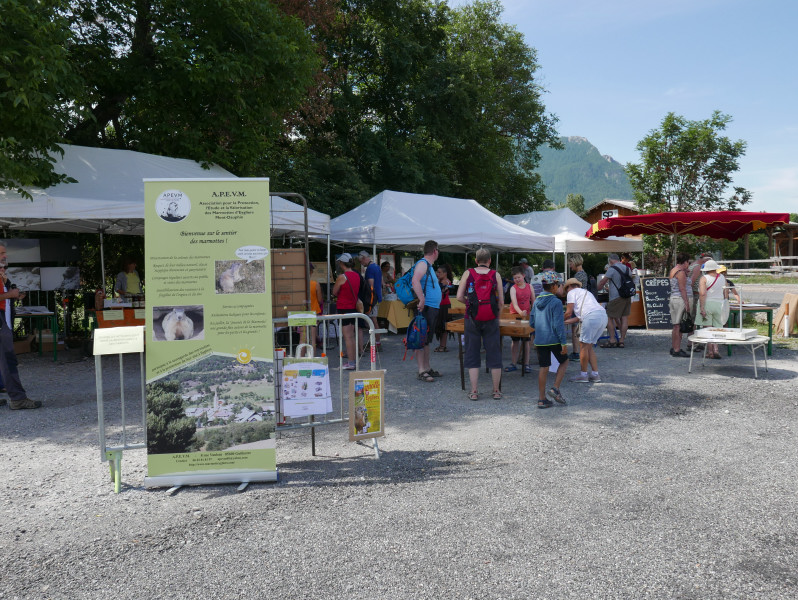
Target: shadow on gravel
[399,466]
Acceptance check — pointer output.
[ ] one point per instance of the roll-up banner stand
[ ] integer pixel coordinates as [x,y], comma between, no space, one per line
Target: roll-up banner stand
[210,357]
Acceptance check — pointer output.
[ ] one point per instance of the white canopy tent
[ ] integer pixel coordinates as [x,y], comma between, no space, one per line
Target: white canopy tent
[109,195]
[569,229]
[405,221]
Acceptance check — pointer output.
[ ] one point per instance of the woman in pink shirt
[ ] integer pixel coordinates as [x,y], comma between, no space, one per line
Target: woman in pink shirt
[521,298]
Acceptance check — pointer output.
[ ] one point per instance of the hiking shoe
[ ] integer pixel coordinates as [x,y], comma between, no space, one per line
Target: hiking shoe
[25,403]
[555,395]
[581,378]
[594,378]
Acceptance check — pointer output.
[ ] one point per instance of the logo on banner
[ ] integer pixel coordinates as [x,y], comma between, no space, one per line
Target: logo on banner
[173,206]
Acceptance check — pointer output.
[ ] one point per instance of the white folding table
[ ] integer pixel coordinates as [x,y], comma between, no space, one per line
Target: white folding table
[753,344]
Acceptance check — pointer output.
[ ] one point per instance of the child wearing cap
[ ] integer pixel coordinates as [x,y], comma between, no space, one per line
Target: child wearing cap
[546,317]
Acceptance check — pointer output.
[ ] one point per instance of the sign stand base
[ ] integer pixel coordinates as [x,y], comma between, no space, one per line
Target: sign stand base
[114,458]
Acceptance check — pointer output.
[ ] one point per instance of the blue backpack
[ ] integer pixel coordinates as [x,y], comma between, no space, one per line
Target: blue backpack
[404,285]
[416,336]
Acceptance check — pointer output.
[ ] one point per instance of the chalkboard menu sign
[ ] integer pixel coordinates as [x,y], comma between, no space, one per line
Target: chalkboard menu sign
[656,293]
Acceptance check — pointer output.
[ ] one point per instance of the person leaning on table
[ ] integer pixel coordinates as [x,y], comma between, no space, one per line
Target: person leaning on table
[711,295]
[8,359]
[730,286]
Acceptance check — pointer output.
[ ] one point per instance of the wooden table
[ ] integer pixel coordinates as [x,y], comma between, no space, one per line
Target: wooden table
[506,314]
[753,344]
[511,327]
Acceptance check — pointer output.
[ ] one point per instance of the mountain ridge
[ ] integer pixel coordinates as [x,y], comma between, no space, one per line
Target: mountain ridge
[581,169]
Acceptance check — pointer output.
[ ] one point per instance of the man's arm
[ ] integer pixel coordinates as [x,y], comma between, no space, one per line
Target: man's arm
[14,294]
[461,289]
[418,273]
[500,292]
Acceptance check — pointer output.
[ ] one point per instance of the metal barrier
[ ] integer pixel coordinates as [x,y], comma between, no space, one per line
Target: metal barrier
[310,422]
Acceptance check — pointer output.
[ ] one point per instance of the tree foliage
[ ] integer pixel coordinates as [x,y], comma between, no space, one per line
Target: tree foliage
[576,202]
[204,80]
[426,99]
[337,99]
[168,428]
[686,166]
[36,82]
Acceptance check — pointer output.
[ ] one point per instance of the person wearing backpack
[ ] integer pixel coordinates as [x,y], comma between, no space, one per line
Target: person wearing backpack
[481,290]
[619,307]
[345,290]
[428,291]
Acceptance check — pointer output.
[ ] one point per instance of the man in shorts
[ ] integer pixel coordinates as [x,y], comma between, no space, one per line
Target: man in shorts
[428,291]
[618,308]
[373,276]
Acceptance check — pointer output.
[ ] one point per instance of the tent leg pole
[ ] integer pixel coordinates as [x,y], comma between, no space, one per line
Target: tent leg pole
[102,263]
[329,275]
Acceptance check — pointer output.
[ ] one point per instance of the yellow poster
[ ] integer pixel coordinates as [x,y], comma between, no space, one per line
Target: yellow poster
[366,416]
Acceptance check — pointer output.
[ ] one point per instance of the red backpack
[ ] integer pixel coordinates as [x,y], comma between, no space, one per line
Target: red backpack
[482,301]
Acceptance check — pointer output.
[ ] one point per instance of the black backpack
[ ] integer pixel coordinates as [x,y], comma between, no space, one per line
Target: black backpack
[627,288]
[365,294]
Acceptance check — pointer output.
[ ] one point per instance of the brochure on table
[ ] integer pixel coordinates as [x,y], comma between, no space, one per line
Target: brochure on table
[210,358]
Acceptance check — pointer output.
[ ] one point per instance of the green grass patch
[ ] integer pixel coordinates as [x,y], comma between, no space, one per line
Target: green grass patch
[768,279]
[789,343]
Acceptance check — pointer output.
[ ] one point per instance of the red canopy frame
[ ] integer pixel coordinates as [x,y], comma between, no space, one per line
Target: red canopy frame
[729,225]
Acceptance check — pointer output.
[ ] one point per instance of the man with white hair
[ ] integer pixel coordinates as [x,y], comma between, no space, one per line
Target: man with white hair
[8,359]
[529,272]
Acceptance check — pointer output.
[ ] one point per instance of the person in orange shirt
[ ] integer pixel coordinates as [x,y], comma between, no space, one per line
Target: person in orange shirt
[316,304]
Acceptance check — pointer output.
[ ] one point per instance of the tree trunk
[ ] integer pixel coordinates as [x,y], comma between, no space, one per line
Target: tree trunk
[672,257]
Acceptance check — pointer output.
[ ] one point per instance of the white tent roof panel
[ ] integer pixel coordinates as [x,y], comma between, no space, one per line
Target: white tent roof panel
[109,194]
[569,230]
[405,221]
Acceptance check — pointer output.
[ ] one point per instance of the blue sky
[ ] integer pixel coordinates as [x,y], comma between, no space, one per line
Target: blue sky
[613,69]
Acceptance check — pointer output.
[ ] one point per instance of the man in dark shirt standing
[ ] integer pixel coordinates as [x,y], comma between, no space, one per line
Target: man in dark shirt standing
[8,359]
[373,277]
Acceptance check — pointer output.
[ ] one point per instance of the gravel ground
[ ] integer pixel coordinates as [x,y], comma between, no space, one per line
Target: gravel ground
[654,483]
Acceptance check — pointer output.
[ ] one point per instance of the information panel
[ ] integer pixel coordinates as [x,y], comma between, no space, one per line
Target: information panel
[366,414]
[656,294]
[210,360]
